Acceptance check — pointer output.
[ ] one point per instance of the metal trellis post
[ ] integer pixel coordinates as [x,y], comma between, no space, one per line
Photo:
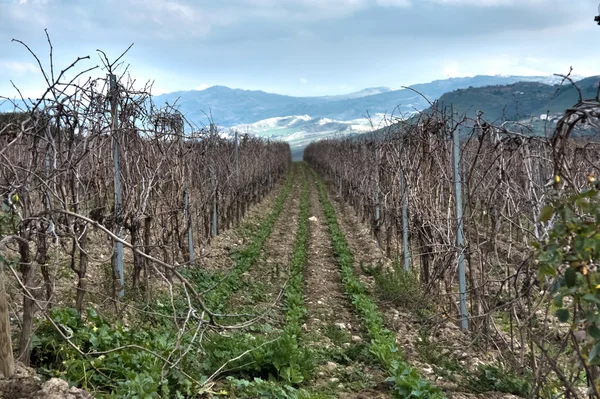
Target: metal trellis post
[404,221]
[464,320]
[214,218]
[188,220]
[118,201]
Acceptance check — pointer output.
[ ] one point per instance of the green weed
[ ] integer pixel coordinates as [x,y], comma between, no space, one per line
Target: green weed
[399,286]
[498,378]
[337,335]
[299,365]
[247,257]
[132,371]
[407,381]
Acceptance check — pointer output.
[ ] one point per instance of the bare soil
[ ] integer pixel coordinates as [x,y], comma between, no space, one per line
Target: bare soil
[271,271]
[329,308]
[215,257]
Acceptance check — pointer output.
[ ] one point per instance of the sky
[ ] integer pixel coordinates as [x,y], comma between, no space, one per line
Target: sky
[298,47]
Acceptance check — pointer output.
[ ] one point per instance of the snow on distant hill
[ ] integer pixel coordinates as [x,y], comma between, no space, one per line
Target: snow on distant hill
[299,130]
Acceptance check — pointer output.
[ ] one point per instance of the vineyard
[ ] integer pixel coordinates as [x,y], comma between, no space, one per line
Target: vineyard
[145,257]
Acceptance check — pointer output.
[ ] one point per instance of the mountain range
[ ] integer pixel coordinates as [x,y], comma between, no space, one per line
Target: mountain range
[232,107]
[300,120]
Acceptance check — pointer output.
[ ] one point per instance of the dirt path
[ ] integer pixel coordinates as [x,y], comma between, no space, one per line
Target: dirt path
[367,253]
[265,280]
[331,326]
[215,257]
[406,326]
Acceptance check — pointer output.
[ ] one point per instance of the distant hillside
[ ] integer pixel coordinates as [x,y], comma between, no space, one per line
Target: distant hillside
[520,100]
[230,107]
[301,130]
[371,91]
[300,120]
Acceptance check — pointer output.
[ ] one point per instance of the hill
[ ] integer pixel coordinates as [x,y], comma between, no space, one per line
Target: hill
[522,100]
[230,107]
[233,107]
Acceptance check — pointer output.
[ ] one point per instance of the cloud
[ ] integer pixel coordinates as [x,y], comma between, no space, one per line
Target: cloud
[501,64]
[18,67]
[394,3]
[489,3]
[203,86]
[277,45]
[453,69]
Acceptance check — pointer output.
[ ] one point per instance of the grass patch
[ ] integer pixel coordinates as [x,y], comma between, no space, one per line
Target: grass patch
[137,369]
[444,365]
[337,335]
[500,379]
[487,378]
[399,286]
[267,389]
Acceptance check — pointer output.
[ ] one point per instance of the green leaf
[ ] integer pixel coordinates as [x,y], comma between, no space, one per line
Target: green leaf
[563,315]
[558,301]
[92,314]
[594,331]
[570,277]
[591,298]
[545,270]
[594,352]
[546,213]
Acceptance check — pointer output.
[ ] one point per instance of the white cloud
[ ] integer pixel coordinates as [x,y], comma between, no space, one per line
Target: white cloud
[273,44]
[453,69]
[506,64]
[490,3]
[393,3]
[203,86]
[18,67]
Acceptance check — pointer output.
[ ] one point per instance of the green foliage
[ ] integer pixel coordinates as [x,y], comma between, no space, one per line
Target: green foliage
[520,100]
[284,359]
[258,362]
[298,365]
[490,378]
[399,286]
[134,372]
[337,335]
[12,117]
[407,381]
[267,389]
[127,372]
[570,257]
[167,306]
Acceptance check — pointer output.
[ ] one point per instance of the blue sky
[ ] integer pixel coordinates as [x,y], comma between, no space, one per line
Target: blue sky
[301,47]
